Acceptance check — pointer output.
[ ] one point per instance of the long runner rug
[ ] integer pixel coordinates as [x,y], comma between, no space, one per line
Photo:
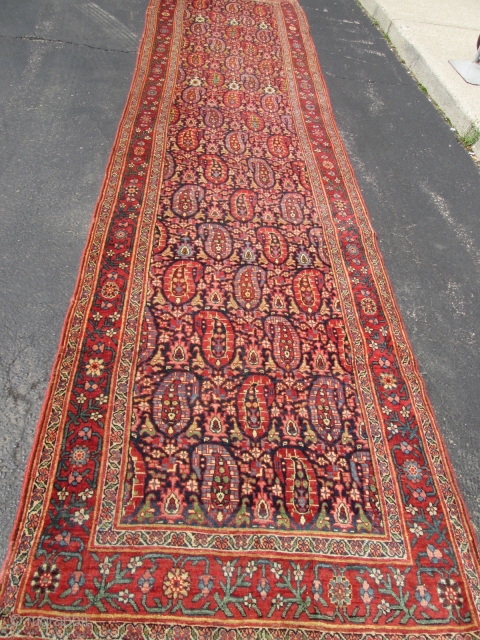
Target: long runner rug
[236,443]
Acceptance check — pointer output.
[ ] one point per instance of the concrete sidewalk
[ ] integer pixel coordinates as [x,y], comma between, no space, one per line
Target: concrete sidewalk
[427,35]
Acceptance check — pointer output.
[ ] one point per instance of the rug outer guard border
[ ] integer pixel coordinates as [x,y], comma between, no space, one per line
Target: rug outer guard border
[66,328]
[398,316]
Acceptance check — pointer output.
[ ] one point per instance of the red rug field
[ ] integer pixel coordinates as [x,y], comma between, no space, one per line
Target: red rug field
[236,443]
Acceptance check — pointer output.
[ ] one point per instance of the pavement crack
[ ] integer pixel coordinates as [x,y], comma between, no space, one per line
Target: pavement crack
[393,84]
[75,44]
[442,24]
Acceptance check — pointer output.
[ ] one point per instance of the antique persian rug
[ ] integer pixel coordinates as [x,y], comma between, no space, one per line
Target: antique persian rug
[236,443]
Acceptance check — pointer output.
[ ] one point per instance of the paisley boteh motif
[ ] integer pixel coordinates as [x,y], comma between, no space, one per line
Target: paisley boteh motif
[216,45]
[233,62]
[273,244]
[218,241]
[197,59]
[262,173]
[248,285]
[266,67]
[188,139]
[316,238]
[218,338]
[212,117]
[180,279]
[234,32]
[307,289]
[198,29]
[287,120]
[254,122]
[286,343]
[326,400]
[220,481]
[300,485]
[172,401]
[235,142]
[271,103]
[300,170]
[254,399]
[292,206]
[279,146]
[181,75]
[174,115]
[186,200]
[249,48]
[233,98]
[250,82]
[192,95]
[149,335]
[217,17]
[242,204]
[336,333]
[215,169]
[260,11]
[160,240]
[215,79]
[263,36]
[169,166]
[247,20]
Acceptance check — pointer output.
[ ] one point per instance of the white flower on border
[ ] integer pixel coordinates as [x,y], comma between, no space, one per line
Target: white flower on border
[376,575]
[417,530]
[298,573]
[105,566]
[228,569]
[80,516]
[249,601]
[126,597]
[384,607]
[277,601]
[250,568]
[63,494]
[398,577]
[135,563]
[86,494]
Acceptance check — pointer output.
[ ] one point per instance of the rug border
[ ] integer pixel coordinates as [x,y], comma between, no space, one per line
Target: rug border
[474,542]
[41,423]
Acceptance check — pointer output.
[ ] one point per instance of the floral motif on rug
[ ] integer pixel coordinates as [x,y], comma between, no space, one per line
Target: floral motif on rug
[236,443]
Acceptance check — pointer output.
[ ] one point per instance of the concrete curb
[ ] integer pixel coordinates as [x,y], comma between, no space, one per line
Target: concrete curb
[462,114]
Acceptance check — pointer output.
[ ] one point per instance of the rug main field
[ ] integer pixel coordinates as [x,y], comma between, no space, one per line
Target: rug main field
[236,443]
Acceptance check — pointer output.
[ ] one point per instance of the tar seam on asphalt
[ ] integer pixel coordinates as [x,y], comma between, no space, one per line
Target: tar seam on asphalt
[76,44]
